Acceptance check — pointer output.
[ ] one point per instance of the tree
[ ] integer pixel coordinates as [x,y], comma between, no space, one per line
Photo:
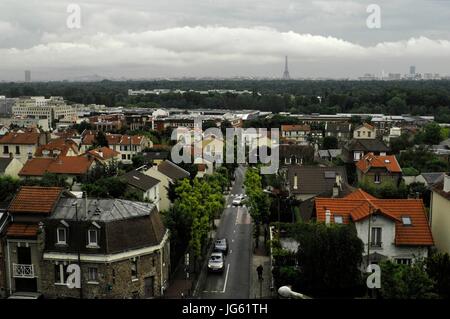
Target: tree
[405,281]
[328,259]
[8,188]
[100,140]
[330,142]
[438,269]
[432,134]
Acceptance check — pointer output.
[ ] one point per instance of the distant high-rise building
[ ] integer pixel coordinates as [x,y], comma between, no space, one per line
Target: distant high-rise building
[412,70]
[286,75]
[27,76]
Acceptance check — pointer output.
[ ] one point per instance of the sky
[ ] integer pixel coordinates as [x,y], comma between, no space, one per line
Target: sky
[137,39]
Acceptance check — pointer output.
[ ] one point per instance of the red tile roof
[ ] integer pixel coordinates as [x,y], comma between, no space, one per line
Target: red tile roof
[70,165]
[22,230]
[20,138]
[60,145]
[370,160]
[289,127]
[35,199]
[103,153]
[358,206]
[114,139]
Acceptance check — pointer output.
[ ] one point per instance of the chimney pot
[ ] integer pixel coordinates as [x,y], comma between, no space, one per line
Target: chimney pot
[327,216]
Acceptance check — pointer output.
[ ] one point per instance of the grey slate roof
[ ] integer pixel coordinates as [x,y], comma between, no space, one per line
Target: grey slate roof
[315,179]
[433,178]
[172,170]
[368,145]
[139,180]
[104,210]
[4,163]
[159,155]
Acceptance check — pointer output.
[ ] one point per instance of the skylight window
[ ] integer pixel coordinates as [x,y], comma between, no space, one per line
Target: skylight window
[406,220]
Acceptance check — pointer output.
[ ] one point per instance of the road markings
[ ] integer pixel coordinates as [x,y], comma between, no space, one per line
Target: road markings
[232,240]
[226,279]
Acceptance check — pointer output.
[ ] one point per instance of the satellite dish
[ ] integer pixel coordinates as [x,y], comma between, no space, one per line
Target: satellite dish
[286,292]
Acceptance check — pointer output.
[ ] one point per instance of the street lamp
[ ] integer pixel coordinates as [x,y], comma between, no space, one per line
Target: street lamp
[75,204]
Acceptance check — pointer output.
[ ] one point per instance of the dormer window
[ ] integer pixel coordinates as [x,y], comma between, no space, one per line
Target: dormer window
[92,238]
[61,236]
[406,220]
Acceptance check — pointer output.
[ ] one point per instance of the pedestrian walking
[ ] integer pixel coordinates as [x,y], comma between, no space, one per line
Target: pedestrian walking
[260,269]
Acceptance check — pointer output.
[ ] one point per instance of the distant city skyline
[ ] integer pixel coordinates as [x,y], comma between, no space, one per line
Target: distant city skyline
[204,38]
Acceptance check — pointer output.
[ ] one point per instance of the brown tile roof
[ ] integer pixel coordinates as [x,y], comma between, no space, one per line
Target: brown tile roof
[366,125]
[103,153]
[289,127]
[60,145]
[114,139]
[20,138]
[356,207]
[370,160]
[35,199]
[70,165]
[172,170]
[22,230]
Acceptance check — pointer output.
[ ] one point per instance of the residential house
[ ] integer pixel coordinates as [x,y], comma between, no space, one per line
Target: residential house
[103,155]
[146,186]
[107,122]
[127,145]
[365,131]
[168,173]
[330,154]
[155,157]
[74,168]
[395,229]
[378,170]
[440,214]
[22,145]
[342,131]
[297,133]
[428,179]
[57,147]
[27,210]
[355,149]
[122,248]
[292,154]
[10,167]
[306,182]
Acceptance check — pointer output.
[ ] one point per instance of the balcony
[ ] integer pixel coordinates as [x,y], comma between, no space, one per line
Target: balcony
[23,271]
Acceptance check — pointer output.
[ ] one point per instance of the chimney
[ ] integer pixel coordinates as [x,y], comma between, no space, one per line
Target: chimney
[335,190]
[327,217]
[295,181]
[446,182]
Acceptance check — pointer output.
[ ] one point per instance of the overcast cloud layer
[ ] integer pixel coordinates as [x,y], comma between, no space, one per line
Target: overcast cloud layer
[147,39]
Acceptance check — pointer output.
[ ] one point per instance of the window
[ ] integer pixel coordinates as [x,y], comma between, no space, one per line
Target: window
[287,160]
[134,270]
[377,178]
[406,220]
[18,150]
[5,150]
[403,261]
[359,133]
[369,134]
[376,237]
[92,238]
[92,274]
[61,274]
[61,237]
[124,156]
[338,219]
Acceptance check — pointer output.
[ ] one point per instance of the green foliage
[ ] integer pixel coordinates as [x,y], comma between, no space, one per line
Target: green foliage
[438,269]
[422,159]
[405,281]
[385,190]
[328,259]
[109,187]
[410,171]
[258,201]
[432,134]
[8,188]
[330,142]
[100,140]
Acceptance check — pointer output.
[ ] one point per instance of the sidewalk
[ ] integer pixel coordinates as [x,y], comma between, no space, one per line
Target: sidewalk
[179,286]
[260,289]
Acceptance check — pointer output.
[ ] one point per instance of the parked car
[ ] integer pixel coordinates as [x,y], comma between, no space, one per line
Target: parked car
[238,201]
[216,262]
[221,245]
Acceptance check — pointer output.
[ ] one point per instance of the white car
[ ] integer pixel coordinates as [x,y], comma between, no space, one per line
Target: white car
[216,262]
[238,201]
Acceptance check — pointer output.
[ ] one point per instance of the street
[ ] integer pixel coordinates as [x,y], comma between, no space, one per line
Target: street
[236,226]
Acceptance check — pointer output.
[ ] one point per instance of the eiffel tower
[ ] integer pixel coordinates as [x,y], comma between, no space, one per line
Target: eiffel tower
[286,75]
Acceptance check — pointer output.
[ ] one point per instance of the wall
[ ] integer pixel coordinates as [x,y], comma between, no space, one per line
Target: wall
[440,222]
[14,168]
[164,203]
